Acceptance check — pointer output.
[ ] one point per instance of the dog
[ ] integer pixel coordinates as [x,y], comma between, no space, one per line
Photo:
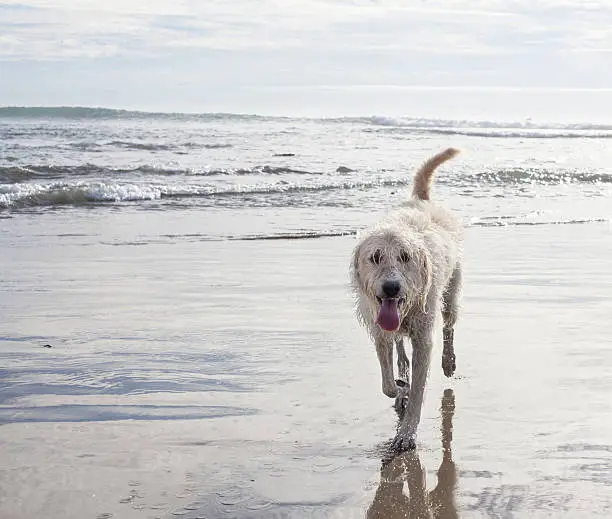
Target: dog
[405,272]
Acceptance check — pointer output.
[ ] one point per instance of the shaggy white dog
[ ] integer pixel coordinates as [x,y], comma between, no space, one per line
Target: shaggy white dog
[405,272]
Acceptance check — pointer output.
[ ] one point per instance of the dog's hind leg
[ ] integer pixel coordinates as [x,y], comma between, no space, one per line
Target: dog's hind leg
[403,376]
[450,311]
[384,350]
[421,356]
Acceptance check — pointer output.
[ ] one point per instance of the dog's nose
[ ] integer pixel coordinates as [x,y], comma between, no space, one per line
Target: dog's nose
[391,288]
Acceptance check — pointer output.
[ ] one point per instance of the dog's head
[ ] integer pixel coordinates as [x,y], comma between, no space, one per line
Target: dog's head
[391,274]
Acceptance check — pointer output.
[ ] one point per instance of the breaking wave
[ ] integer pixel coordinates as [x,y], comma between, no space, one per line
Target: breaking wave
[506,177]
[165,147]
[32,195]
[31,186]
[495,129]
[36,195]
[518,133]
[14,174]
[509,176]
[469,123]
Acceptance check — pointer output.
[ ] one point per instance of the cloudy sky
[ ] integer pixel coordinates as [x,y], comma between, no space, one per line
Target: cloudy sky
[449,58]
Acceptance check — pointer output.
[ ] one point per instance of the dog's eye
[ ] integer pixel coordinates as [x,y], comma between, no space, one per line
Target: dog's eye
[376,257]
[404,257]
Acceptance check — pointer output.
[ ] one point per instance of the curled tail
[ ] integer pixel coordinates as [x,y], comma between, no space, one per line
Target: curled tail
[424,176]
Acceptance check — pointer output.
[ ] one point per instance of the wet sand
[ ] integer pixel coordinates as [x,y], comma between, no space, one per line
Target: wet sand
[244,387]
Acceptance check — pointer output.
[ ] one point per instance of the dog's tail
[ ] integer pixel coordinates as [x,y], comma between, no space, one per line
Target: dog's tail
[424,176]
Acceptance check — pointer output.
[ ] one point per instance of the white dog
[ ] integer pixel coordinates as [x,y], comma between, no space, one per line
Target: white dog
[405,271]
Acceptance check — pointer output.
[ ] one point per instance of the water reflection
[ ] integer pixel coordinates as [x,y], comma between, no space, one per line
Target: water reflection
[405,470]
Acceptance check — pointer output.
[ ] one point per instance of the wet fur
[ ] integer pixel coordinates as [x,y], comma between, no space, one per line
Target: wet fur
[430,280]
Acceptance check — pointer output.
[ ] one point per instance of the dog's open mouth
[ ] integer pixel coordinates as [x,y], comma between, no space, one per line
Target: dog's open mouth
[388,314]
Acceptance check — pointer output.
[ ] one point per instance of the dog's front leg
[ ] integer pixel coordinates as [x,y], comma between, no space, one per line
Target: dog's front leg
[403,377]
[421,356]
[384,350]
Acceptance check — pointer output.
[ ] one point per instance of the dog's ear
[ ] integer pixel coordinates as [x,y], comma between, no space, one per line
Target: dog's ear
[427,275]
[355,265]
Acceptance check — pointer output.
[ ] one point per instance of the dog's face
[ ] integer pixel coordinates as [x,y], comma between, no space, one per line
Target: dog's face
[392,273]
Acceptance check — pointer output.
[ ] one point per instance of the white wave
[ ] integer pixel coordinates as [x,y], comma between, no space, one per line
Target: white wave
[519,129]
[55,194]
[79,193]
[31,194]
[542,133]
[122,192]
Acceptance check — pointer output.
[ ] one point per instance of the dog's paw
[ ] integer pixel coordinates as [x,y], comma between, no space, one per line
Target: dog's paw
[404,442]
[449,364]
[390,391]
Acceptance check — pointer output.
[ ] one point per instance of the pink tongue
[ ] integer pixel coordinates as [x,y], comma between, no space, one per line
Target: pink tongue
[388,317]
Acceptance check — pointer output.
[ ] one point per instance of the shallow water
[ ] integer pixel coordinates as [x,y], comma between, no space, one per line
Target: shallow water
[192,375]
[183,381]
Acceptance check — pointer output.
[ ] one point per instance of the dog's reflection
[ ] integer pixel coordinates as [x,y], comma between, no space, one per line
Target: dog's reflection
[391,502]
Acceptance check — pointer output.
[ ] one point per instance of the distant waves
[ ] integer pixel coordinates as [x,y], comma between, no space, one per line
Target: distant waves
[474,128]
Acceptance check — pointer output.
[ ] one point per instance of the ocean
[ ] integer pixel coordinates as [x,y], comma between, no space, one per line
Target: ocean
[292,177]
[178,339]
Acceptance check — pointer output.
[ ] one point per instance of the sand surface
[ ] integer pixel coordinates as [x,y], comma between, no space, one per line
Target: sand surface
[230,379]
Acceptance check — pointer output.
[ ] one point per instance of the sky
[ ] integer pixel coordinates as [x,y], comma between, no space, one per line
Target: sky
[439,58]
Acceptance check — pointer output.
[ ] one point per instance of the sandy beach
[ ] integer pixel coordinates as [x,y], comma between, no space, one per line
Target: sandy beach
[233,381]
